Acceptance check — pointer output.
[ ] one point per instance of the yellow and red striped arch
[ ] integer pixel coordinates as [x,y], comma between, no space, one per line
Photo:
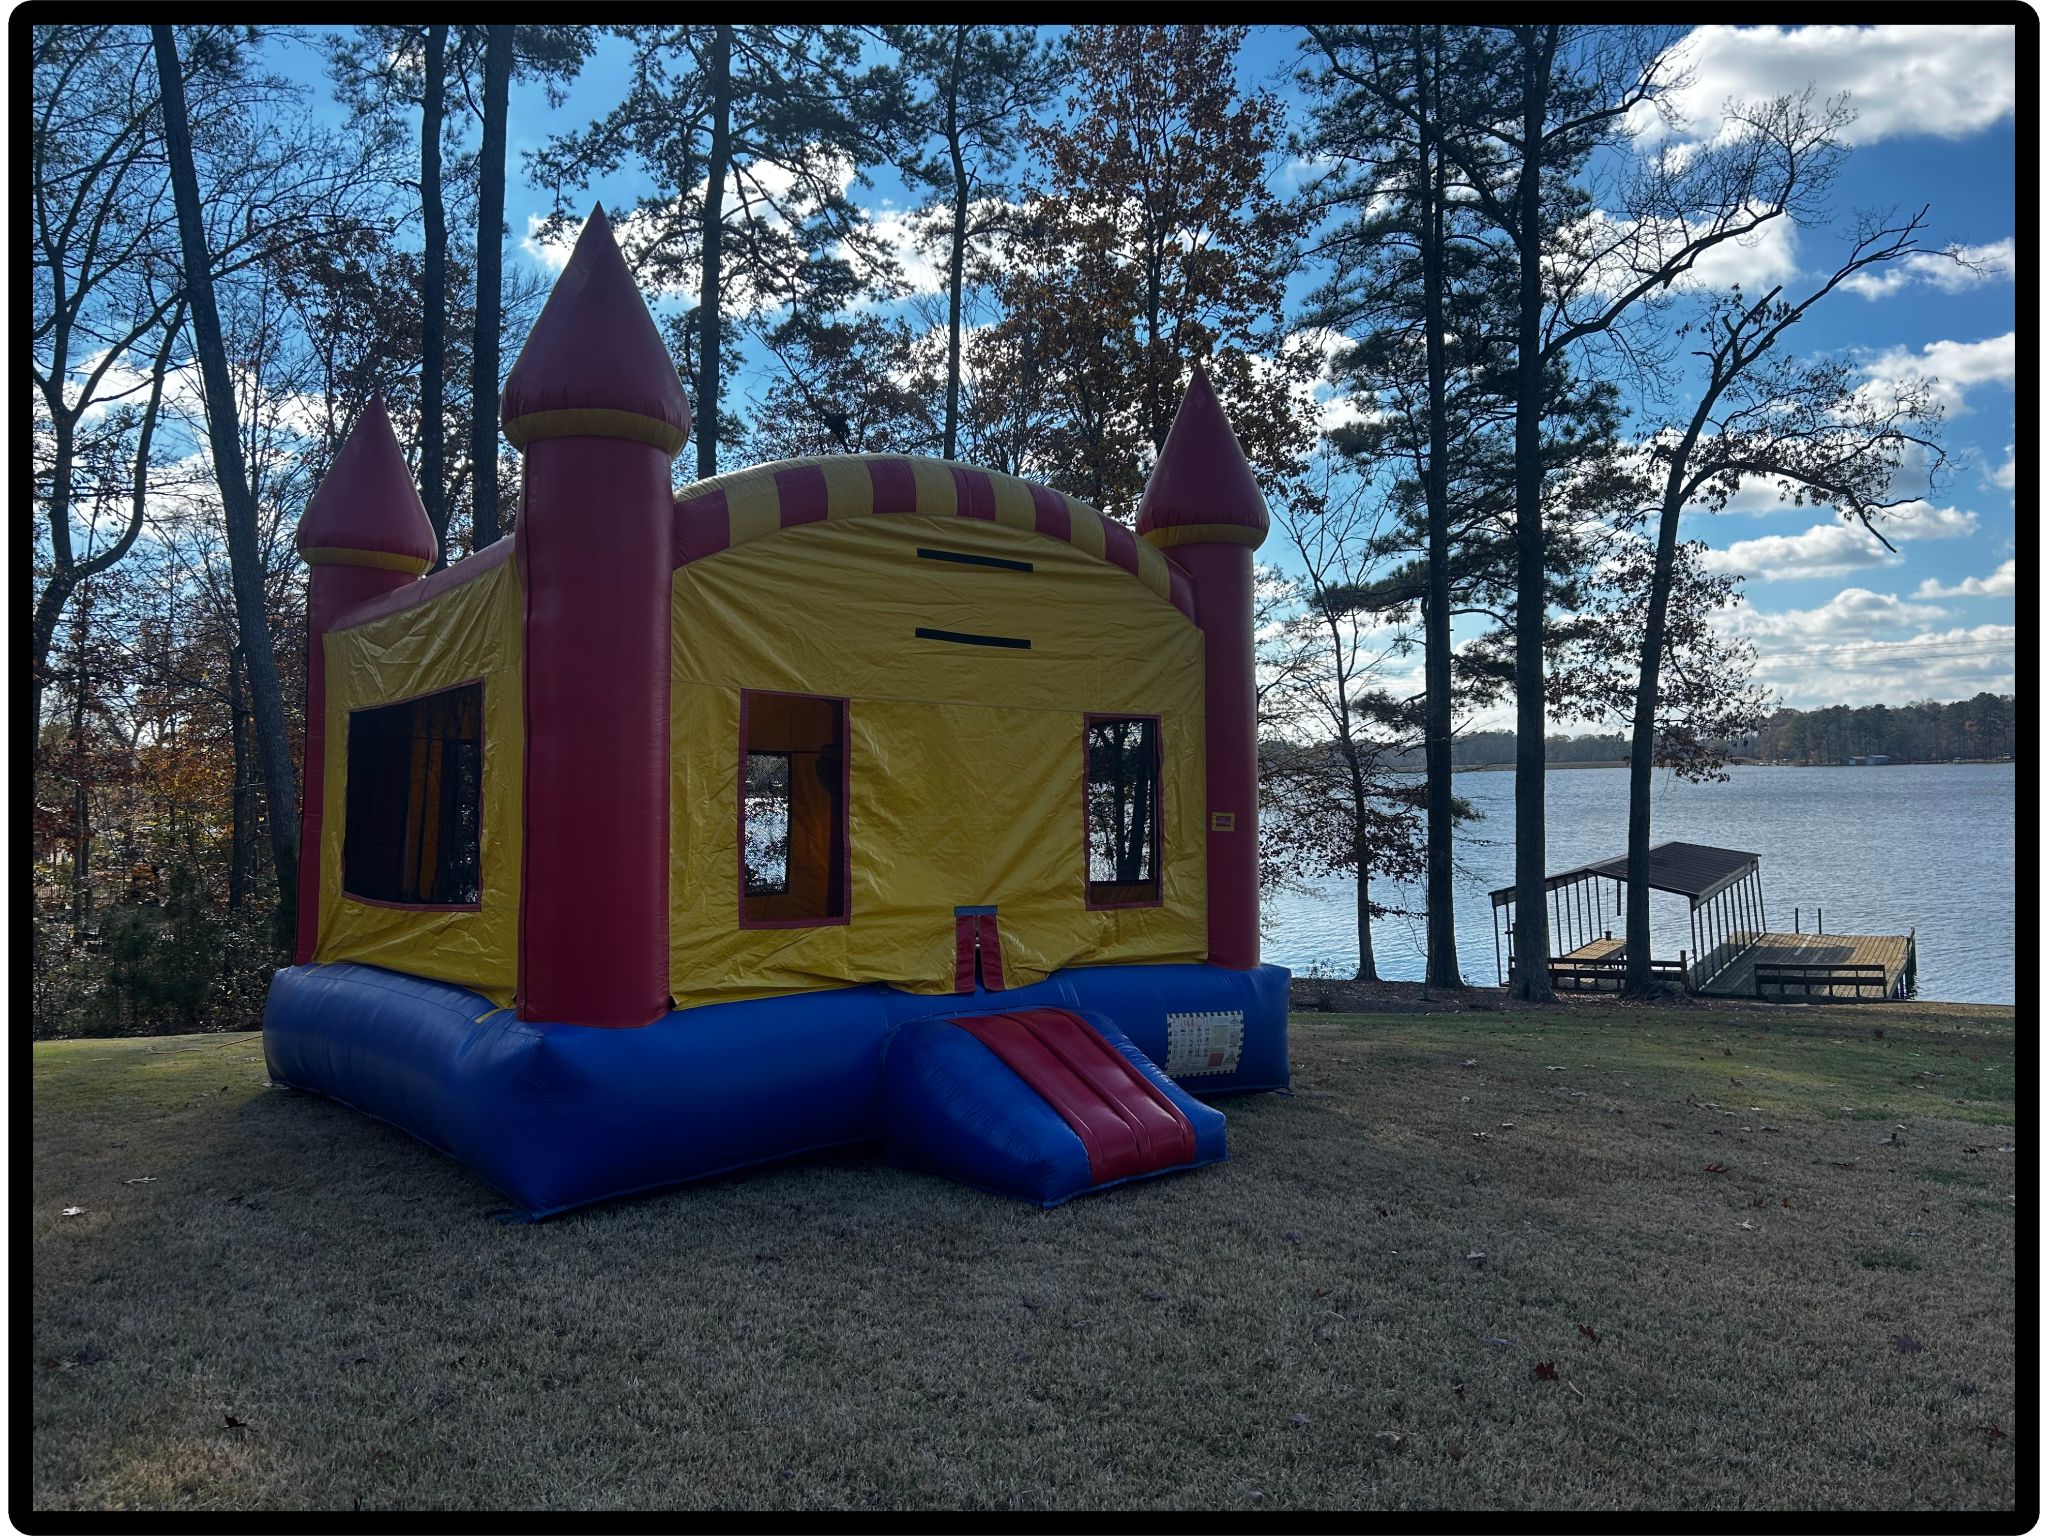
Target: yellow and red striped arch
[729,510]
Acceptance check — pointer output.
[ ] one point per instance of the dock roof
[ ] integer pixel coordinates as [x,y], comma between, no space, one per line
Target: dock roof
[1686,869]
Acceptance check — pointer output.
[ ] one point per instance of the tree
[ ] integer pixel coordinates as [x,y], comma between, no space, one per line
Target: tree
[490,250]
[1761,414]
[1331,797]
[751,145]
[108,305]
[971,89]
[1571,90]
[1387,98]
[1150,240]
[238,505]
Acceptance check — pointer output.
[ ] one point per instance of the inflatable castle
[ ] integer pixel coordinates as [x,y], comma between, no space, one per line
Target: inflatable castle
[865,799]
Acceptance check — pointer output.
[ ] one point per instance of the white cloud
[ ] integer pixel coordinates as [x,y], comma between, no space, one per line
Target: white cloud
[2003,582]
[1837,549]
[1861,647]
[1950,368]
[1960,267]
[2005,476]
[1944,81]
[1851,612]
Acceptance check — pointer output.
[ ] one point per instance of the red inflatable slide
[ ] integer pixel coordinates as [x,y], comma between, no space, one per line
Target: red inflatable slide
[1126,1124]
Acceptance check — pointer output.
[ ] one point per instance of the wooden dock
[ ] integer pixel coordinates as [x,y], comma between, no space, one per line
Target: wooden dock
[1792,967]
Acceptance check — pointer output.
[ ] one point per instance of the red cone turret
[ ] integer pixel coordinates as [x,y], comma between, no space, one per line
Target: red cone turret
[594,364]
[1202,491]
[367,511]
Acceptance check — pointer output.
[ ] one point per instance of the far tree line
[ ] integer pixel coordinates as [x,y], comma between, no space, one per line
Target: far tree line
[1477,417]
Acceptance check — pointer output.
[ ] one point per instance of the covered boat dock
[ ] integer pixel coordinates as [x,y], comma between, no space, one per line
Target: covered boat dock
[1733,952]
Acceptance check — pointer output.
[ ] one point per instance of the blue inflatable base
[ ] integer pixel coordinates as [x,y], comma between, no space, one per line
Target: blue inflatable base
[559,1115]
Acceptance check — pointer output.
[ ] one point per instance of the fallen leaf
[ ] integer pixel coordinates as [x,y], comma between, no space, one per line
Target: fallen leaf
[1391,1440]
[1301,1418]
[1479,1136]
[1749,1226]
[1786,1202]
[233,1422]
[1507,1125]
[1501,1343]
[1715,1168]
[1993,1432]
[1155,1295]
[1906,1344]
[74,1210]
[1546,1370]
[151,1180]
[1589,1333]
[1292,1237]
[1849,1164]
[1031,1302]
[1473,1062]
[1455,1452]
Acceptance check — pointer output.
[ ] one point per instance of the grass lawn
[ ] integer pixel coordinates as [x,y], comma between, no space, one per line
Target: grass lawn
[1592,1258]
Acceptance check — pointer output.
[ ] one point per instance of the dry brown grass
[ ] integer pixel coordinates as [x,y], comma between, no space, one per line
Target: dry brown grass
[308,1309]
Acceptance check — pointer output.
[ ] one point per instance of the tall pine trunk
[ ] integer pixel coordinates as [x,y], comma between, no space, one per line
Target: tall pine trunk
[956,260]
[245,554]
[490,251]
[1368,967]
[434,301]
[1441,967]
[708,294]
[1532,929]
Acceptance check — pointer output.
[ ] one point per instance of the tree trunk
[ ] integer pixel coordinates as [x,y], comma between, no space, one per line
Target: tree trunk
[238,838]
[708,295]
[245,562]
[1643,730]
[1532,928]
[434,301]
[957,257]
[1368,968]
[490,251]
[1440,920]
[81,798]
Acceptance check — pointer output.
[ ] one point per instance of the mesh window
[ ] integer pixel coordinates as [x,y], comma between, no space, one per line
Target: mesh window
[766,850]
[793,868]
[415,800]
[1123,811]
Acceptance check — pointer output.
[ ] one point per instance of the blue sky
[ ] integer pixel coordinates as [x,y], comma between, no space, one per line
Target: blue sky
[1834,617]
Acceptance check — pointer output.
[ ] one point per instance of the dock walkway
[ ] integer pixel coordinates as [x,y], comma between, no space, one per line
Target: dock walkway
[1890,959]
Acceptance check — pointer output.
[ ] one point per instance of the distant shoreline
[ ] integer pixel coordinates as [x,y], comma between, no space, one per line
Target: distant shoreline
[1622,762]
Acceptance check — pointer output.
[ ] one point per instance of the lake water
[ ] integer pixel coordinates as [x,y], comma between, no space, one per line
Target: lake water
[1929,848]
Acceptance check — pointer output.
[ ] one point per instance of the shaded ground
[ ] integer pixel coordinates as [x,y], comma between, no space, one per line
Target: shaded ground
[1753,1289]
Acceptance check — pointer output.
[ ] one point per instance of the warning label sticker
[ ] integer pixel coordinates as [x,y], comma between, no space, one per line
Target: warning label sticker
[1203,1042]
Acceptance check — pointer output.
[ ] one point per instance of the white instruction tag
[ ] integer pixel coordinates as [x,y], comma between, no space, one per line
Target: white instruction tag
[1203,1042]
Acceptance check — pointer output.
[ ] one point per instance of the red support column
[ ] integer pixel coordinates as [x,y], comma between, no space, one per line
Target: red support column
[597,406]
[594,552]
[1222,575]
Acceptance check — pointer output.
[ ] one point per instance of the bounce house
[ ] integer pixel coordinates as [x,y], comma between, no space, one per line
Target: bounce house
[850,800]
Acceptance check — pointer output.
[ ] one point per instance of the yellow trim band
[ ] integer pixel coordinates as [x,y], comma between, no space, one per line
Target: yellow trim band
[595,421]
[1204,533]
[375,559]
